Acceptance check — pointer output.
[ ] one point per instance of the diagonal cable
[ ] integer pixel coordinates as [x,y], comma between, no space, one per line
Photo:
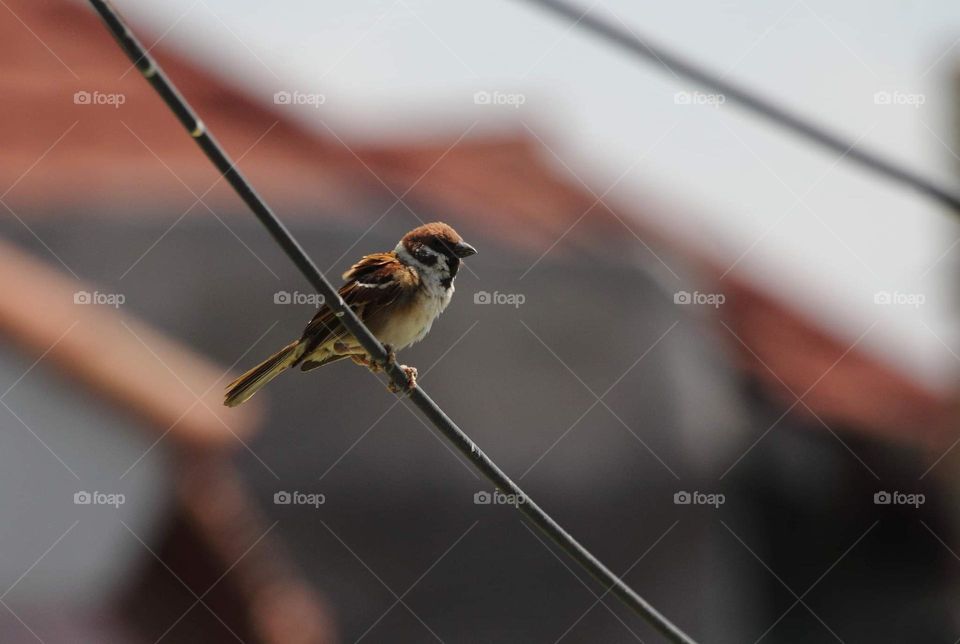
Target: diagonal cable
[396,402]
[642,48]
[185,114]
[590,590]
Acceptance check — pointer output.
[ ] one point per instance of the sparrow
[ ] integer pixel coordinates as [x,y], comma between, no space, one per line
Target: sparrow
[397,294]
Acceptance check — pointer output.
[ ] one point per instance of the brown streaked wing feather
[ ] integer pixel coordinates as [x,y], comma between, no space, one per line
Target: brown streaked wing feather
[368,265]
[375,281]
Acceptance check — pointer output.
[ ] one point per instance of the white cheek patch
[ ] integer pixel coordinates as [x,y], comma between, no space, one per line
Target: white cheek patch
[432,276]
[409,258]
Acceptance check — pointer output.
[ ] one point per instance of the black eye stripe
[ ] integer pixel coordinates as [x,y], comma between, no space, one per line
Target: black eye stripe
[429,254]
[424,256]
[441,247]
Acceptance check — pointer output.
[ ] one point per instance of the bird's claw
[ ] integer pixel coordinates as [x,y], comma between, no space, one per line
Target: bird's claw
[411,373]
[391,356]
[375,367]
[364,361]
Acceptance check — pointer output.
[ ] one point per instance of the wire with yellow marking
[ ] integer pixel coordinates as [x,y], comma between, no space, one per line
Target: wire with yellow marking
[156,77]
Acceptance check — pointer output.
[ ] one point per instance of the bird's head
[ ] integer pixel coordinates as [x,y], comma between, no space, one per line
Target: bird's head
[435,248]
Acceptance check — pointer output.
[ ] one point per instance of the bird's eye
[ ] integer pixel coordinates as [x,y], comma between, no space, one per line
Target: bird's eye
[425,255]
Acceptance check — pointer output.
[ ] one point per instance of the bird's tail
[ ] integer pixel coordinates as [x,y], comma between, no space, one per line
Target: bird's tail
[241,389]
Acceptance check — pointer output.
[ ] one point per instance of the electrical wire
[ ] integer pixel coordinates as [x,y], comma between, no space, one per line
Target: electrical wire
[155,75]
[661,57]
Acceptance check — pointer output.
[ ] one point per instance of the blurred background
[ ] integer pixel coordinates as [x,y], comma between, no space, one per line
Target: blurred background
[724,360]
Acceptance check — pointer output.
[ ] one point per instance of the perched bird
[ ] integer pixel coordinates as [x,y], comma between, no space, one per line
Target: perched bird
[398,295]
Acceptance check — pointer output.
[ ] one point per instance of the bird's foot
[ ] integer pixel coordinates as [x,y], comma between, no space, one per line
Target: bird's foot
[364,361]
[375,367]
[411,373]
[391,356]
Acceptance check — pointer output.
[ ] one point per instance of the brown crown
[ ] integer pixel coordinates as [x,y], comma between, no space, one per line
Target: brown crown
[432,232]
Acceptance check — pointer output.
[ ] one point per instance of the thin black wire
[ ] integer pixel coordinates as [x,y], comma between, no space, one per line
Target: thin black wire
[149,68]
[659,56]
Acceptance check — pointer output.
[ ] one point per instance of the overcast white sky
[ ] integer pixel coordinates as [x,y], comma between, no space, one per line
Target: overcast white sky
[405,67]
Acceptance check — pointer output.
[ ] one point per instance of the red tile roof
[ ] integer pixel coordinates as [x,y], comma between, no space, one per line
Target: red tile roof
[498,183]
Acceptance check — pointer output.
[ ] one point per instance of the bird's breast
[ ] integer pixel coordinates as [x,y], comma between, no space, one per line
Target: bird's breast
[412,322]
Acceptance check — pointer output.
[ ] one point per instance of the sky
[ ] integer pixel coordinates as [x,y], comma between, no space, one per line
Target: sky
[809,228]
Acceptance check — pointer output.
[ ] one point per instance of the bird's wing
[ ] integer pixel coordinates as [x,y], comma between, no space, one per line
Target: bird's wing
[373,283]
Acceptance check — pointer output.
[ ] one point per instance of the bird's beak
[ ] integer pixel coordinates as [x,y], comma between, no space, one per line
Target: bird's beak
[463,249]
